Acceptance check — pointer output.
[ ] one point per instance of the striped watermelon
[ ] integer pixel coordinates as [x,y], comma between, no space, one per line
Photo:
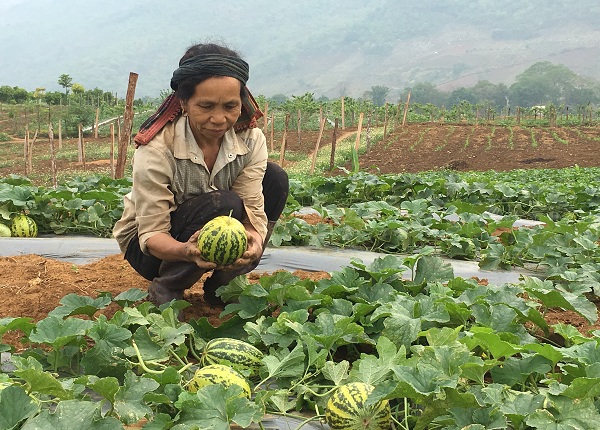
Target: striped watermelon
[222,240]
[346,409]
[232,352]
[218,374]
[23,226]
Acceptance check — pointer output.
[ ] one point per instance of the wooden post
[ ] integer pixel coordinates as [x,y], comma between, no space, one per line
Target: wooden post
[518,115]
[360,120]
[314,155]
[299,129]
[29,158]
[112,150]
[26,143]
[333,143]
[368,133]
[397,118]
[272,137]
[343,115]
[80,145]
[406,110]
[127,126]
[96,123]
[385,122]
[266,118]
[52,156]
[60,134]
[283,141]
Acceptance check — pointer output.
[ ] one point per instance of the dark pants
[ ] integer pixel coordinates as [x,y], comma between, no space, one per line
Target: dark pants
[190,216]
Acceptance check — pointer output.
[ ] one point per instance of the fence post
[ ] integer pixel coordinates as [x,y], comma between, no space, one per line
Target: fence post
[125,137]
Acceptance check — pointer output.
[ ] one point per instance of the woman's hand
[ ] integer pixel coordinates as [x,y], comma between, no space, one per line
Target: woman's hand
[193,253]
[253,252]
[166,248]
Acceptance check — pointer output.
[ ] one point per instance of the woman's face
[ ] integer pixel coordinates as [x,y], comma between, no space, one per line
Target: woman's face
[214,108]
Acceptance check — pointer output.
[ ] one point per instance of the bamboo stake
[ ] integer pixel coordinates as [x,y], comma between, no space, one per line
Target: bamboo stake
[360,120]
[80,145]
[127,126]
[52,156]
[112,150]
[272,137]
[29,158]
[333,143]
[406,110]
[283,141]
[314,155]
[96,123]
[299,129]
[60,134]
[26,143]
[343,115]
[385,121]
[266,118]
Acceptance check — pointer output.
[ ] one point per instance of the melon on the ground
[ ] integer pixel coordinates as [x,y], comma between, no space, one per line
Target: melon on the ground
[23,226]
[222,240]
[346,409]
[218,374]
[232,352]
[5,231]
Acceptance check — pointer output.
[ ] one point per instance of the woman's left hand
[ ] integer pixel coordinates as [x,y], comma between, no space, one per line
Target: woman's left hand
[253,251]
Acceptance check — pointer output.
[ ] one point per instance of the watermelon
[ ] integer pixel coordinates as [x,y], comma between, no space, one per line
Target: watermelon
[232,352]
[218,374]
[346,409]
[5,231]
[23,226]
[222,240]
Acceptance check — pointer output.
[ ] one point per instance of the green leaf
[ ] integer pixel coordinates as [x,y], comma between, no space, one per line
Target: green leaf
[105,387]
[15,406]
[39,381]
[216,407]
[336,372]
[285,363]
[73,414]
[569,414]
[58,332]
[129,401]
[430,269]
[74,304]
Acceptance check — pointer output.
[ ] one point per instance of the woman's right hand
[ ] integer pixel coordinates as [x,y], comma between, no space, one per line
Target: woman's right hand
[165,247]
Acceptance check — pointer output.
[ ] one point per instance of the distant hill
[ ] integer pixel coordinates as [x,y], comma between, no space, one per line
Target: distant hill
[328,48]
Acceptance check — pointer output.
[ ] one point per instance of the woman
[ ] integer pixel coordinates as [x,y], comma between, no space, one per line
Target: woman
[199,156]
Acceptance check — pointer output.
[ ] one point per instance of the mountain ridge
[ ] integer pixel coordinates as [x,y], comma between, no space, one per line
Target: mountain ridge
[328,48]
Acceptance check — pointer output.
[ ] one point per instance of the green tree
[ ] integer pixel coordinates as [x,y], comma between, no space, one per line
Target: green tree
[544,83]
[7,94]
[377,94]
[20,95]
[66,82]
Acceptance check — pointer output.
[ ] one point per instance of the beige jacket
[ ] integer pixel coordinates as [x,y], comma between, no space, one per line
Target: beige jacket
[170,169]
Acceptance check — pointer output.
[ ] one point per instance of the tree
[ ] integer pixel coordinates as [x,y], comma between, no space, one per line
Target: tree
[65,81]
[378,94]
[78,90]
[7,94]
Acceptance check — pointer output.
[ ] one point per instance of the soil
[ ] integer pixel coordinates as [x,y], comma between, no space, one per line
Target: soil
[32,286]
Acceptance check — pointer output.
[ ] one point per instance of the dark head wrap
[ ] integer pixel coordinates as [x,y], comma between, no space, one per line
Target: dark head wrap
[212,65]
[204,64]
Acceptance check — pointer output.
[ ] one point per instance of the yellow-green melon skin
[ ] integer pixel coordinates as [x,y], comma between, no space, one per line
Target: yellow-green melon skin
[23,226]
[222,240]
[232,352]
[5,231]
[346,409]
[218,374]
